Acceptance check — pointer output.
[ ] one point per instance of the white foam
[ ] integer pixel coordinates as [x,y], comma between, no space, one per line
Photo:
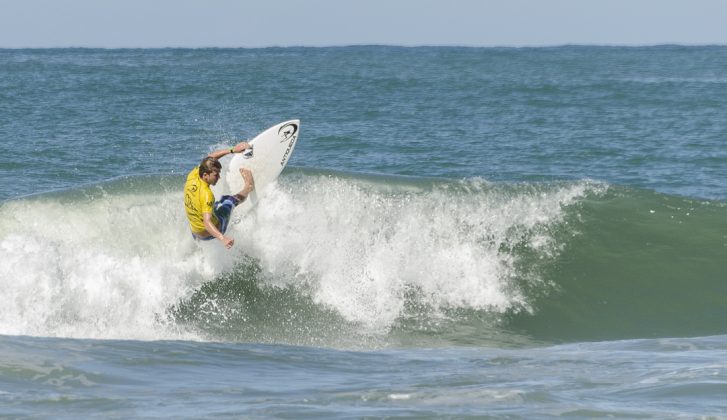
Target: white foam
[361,247]
[107,267]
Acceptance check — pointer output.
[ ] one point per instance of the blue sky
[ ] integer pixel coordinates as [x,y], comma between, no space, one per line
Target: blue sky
[228,23]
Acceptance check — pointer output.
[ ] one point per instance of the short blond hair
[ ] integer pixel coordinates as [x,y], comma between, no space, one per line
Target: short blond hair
[209,165]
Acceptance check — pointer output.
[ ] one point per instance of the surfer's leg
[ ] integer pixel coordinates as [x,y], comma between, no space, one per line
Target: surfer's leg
[223,210]
[249,184]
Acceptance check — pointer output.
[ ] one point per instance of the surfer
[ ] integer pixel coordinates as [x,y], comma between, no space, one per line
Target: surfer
[208,218]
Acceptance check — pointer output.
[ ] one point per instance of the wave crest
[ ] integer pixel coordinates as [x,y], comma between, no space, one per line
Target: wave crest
[112,261]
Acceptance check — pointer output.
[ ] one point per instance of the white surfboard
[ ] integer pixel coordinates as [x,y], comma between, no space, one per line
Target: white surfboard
[271,151]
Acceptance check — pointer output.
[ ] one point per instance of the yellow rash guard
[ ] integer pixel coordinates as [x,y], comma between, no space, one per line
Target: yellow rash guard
[198,199]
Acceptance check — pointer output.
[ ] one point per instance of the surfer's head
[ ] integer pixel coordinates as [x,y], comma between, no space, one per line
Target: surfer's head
[209,170]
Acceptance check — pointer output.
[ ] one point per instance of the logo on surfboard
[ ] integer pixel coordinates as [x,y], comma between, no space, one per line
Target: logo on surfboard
[287,132]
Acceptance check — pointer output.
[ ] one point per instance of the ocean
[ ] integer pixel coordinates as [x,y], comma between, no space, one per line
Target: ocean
[460,232]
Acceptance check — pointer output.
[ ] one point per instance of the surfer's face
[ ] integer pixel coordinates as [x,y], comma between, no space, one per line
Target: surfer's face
[211,177]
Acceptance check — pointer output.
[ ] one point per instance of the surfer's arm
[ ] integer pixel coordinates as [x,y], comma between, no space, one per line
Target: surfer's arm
[238,148]
[212,229]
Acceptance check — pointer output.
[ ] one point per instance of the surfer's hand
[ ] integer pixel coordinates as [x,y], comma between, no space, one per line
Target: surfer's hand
[228,242]
[242,146]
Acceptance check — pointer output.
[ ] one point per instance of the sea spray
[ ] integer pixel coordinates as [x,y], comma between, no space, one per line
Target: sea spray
[99,265]
[364,247]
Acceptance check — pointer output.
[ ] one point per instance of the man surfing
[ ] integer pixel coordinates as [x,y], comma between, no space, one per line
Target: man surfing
[208,218]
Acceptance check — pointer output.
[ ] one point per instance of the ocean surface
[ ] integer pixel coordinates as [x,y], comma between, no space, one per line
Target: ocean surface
[485,232]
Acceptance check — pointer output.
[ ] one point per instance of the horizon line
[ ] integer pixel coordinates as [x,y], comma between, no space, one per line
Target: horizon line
[363,45]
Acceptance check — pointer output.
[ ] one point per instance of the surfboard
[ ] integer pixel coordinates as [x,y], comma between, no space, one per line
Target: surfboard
[271,151]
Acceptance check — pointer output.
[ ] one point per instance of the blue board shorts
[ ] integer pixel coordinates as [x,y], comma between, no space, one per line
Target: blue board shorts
[223,212]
